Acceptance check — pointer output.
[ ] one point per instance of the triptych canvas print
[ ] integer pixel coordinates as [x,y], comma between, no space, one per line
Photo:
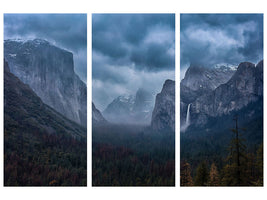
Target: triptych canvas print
[134,134]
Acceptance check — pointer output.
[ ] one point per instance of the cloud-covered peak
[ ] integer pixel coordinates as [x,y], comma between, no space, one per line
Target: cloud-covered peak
[67,31]
[131,51]
[209,39]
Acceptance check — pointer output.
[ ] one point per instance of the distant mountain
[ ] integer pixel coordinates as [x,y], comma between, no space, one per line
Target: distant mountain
[245,86]
[97,117]
[24,112]
[119,110]
[143,106]
[131,109]
[209,132]
[143,101]
[163,116]
[198,77]
[199,80]
[41,146]
[49,71]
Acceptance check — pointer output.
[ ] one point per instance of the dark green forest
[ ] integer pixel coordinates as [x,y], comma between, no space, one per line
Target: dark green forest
[223,157]
[41,147]
[128,155]
[39,159]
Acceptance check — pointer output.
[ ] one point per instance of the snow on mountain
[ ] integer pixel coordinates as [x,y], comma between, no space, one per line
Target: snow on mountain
[49,71]
[131,109]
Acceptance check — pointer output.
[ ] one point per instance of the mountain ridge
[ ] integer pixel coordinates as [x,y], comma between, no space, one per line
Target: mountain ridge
[131,109]
[49,71]
[163,116]
[24,110]
[97,117]
[244,86]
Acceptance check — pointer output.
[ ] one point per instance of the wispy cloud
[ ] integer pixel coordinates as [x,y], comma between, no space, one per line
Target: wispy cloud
[68,31]
[131,51]
[209,39]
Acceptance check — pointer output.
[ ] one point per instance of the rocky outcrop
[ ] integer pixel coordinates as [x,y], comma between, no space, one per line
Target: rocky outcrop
[49,71]
[200,77]
[97,118]
[25,112]
[163,116]
[199,80]
[244,87]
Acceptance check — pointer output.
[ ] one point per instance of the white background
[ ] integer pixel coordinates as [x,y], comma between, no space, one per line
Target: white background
[127,6]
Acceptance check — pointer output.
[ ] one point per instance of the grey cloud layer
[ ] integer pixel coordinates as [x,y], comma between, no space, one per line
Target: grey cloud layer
[131,51]
[126,38]
[67,31]
[210,39]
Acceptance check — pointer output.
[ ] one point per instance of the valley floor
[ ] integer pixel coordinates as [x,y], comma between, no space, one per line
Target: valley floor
[38,159]
[128,155]
[211,158]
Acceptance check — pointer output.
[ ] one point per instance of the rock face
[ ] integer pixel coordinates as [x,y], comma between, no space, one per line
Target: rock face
[49,71]
[163,116]
[199,80]
[143,101]
[244,87]
[131,109]
[25,112]
[119,110]
[143,106]
[97,118]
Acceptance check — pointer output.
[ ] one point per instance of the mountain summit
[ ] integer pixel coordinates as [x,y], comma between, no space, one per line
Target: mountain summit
[25,113]
[131,109]
[49,71]
[242,88]
[202,78]
[163,117]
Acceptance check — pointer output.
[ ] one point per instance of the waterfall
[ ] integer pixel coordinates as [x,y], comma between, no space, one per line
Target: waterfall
[187,121]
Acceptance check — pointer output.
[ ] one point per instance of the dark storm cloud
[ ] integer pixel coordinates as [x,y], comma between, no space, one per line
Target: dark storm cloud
[126,37]
[156,57]
[131,51]
[68,31]
[210,39]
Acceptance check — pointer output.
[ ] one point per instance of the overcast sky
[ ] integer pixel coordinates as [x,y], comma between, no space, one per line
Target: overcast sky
[209,39]
[68,31]
[131,51]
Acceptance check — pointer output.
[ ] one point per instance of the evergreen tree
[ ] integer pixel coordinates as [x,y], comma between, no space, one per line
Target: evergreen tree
[259,165]
[235,173]
[185,175]
[202,175]
[214,179]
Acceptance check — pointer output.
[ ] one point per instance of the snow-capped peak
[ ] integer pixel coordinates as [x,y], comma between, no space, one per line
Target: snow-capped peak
[225,67]
[126,98]
[36,41]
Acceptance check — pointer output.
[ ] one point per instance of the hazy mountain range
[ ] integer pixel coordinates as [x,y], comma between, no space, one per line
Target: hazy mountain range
[131,109]
[139,109]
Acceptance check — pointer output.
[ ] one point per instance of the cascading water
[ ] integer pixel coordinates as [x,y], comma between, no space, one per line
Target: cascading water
[187,121]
